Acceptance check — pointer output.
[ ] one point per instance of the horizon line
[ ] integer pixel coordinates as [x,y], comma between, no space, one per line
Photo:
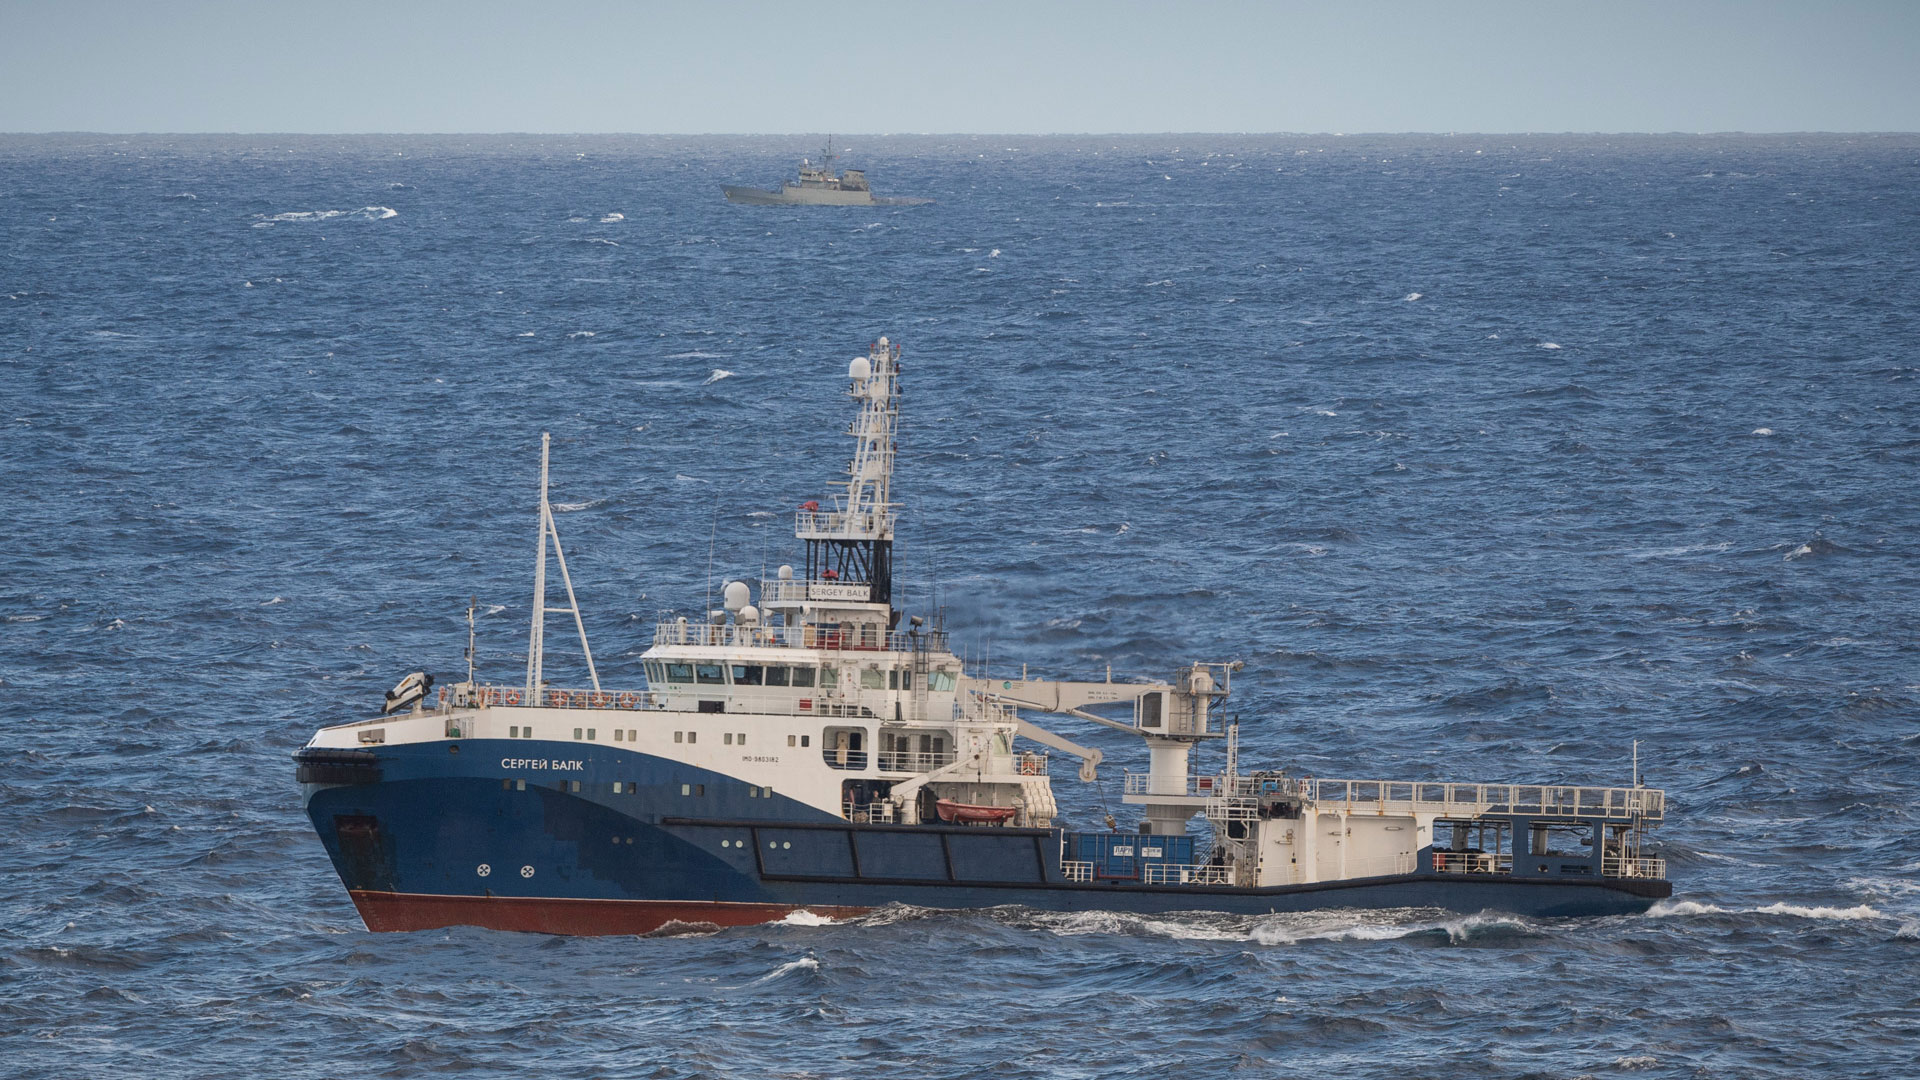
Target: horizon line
[973,134]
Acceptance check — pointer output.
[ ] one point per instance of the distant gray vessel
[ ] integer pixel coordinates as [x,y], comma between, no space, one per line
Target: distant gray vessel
[819,185]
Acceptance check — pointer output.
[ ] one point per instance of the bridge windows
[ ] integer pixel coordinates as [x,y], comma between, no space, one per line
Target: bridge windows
[709,674]
[776,675]
[679,673]
[803,676]
[747,674]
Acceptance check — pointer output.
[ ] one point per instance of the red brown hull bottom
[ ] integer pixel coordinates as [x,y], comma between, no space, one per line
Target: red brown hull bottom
[385,912]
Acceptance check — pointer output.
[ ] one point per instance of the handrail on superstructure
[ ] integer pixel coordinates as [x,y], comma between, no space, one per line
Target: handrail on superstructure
[1414,796]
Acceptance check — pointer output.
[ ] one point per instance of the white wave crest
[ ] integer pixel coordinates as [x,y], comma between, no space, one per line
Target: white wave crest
[805,963]
[611,218]
[1549,345]
[717,375]
[1412,296]
[275,600]
[1680,908]
[368,213]
[568,508]
[1851,914]
[803,917]
[1636,1061]
[1763,431]
[580,334]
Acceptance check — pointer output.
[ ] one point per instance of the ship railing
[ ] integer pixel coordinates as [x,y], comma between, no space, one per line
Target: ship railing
[1185,874]
[1233,808]
[807,636]
[1210,787]
[1471,862]
[562,698]
[1075,870]
[913,761]
[864,523]
[1621,866]
[1534,800]
[877,812]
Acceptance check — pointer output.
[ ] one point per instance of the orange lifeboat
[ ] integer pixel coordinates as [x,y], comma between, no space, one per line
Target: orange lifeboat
[970,814]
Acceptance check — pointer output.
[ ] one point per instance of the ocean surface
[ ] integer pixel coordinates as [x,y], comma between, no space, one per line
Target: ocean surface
[1488,455]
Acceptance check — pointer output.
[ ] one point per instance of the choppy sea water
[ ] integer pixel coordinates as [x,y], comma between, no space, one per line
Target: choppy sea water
[1488,455]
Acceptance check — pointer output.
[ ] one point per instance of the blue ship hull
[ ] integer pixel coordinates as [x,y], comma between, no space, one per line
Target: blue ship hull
[596,841]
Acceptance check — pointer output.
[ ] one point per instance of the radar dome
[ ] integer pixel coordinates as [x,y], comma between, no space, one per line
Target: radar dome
[786,572]
[737,595]
[858,369]
[749,614]
[883,342]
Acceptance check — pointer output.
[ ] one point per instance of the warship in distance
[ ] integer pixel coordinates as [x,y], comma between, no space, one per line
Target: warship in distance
[814,747]
[819,185]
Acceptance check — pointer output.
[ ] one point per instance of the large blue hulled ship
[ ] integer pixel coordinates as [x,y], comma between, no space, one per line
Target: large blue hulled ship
[814,747]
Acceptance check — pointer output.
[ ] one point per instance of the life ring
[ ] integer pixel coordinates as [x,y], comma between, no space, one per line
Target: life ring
[602,699]
[513,696]
[628,700]
[491,697]
[580,699]
[557,698]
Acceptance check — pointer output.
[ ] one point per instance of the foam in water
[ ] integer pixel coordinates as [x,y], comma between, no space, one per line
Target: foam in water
[1549,345]
[805,963]
[1763,431]
[611,218]
[803,917]
[1412,296]
[303,217]
[1679,908]
[717,375]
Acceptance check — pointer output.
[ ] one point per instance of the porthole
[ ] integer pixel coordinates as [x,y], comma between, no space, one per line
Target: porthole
[773,845]
[526,871]
[483,870]
[726,843]
[786,843]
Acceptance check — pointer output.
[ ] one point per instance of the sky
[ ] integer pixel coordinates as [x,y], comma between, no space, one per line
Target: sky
[1030,67]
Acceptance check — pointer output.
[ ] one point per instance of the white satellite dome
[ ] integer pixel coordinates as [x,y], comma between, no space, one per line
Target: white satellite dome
[786,572]
[858,369]
[749,614]
[737,595]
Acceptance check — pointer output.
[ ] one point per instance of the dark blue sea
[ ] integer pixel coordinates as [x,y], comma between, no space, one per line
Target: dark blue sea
[1488,455]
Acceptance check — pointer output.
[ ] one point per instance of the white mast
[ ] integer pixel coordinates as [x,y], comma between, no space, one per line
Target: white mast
[536,644]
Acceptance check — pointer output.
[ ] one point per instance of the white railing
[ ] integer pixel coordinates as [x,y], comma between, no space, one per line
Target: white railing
[810,636]
[914,761]
[857,524]
[775,592]
[1074,870]
[1237,808]
[1185,874]
[1538,800]
[1414,796]
[1622,867]
[1471,862]
[557,698]
[869,813]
